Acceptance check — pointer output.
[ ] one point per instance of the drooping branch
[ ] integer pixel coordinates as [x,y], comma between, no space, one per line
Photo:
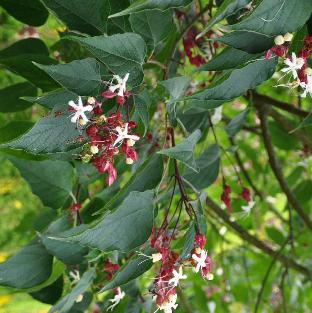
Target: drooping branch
[254,241]
[276,167]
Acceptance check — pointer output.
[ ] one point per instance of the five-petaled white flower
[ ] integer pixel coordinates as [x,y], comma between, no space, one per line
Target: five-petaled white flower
[80,110]
[123,134]
[307,87]
[201,260]
[120,86]
[118,297]
[293,65]
[170,305]
[177,276]
[247,208]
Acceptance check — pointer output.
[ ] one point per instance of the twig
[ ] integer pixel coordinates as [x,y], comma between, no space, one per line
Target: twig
[276,167]
[267,274]
[242,233]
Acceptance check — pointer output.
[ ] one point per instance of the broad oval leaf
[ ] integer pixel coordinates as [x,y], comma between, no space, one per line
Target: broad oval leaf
[184,151]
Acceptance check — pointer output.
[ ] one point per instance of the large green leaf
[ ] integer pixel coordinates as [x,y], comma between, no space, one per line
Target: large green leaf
[10,97]
[134,268]
[142,5]
[176,87]
[49,135]
[69,253]
[141,104]
[146,177]
[53,98]
[88,18]
[276,17]
[237,123]
[208,164]
[227,8]
[19,56]
[28,268]
[184,151]
[128,227]
[237,82]
[51,181]
[248,41]
[66,303]
[30,12]
[13,130]
[154,26]
[80,76]
[121,53]
[228,59]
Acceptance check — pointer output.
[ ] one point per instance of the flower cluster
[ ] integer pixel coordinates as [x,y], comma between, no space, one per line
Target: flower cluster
[109,135]
[295,66]
[245,195]
[171,268]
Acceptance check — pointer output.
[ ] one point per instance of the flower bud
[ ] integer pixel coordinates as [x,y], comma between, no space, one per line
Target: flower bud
[288,37]
[130,142]
[209,276]
[91,100]
[279,40]
[129,161]
[82,122]
[94,149]
[156,257]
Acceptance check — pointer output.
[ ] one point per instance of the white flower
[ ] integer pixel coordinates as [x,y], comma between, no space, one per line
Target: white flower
[79,110]
[201,260]
[177,276]
[167,307]
[217,115]
[293,65]
[307,87]
[118,297]
[123,134]
[120,86]
[247,208]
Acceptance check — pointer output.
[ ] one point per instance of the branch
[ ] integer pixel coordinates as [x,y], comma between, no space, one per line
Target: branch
[242,233]
[276,167]
[281,105]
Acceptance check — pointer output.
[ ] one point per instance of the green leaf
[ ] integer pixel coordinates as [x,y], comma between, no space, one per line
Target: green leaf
[65,304]
[81,76]
[90,18]
[229,58]
[276,17]
[306,122]
[154,26]
[28,268]
[141,104]
[142,5]
[30,12]
[176,87]
[146,177]
[10,97]
[51,181]
[50,294]
[184,151]
[130,224]
[275,235]
[227,8]
[237,82]
[236,123]
[121,53]
[69,253]
[208,164]
[49,135]
[53,98]
[13,130]
[134,268]
[18,59]
[248,41]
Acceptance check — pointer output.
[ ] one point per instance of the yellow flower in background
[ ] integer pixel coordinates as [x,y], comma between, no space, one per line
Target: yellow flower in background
[3,256]
[17,204]
[5,299]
